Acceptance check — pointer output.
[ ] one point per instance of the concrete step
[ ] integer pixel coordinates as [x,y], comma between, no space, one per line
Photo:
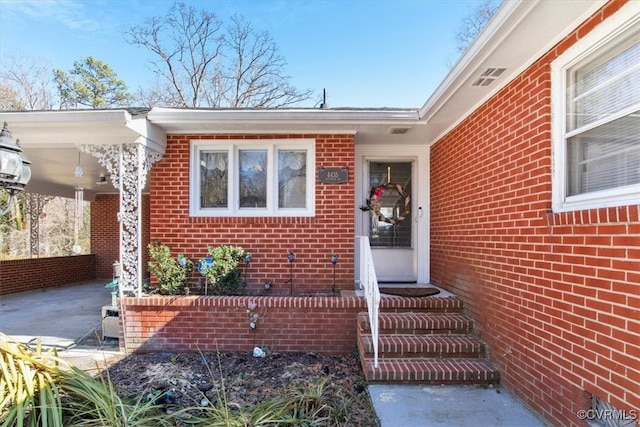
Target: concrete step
[431,371]
[425,346]
[411,323]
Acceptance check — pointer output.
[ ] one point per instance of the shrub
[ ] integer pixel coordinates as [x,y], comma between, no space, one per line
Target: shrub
[223,274]
[39,389]
[171,273]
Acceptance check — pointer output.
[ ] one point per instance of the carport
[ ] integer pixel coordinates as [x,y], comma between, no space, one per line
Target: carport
[67,318]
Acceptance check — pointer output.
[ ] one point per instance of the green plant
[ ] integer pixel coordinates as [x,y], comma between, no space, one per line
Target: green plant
[171,273]
[29,385]
[39,389]
[96,402]
[223,274]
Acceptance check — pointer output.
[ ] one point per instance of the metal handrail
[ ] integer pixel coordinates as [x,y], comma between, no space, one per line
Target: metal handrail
[369,282]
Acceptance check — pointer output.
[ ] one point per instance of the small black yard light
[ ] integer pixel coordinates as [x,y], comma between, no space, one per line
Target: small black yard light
[290,257]
[334,261]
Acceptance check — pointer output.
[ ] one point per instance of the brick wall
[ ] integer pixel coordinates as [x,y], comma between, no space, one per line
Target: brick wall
[105,232]
[556,296]
[286,324]
[312,239]
[38,273]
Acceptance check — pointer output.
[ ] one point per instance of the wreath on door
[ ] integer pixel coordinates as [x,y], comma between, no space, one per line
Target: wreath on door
[374,203]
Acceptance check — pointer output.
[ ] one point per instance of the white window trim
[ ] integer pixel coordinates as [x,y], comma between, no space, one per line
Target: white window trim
[233,147]
[627,17]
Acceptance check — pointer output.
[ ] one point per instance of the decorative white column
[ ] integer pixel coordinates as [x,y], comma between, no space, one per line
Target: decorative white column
[35,206]
[128,165]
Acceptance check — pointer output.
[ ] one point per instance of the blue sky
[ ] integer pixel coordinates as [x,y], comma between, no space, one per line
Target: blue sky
[366,53]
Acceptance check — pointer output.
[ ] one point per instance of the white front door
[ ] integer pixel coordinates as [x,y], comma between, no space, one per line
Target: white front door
[395,190]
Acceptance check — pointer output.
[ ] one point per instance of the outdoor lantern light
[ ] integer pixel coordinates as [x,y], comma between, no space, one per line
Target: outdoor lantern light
[334,261]
[247,260]
[15,171]
[290,257]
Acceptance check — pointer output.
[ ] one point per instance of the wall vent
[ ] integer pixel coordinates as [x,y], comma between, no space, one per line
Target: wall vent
[398,130]
[603,413]
[488,76]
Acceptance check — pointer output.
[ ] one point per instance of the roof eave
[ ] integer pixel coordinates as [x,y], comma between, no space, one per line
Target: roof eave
[516,22]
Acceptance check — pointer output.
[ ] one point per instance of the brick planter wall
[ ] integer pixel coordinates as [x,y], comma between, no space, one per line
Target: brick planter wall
[556,296]
[39,273]
[312,239]
[287,324]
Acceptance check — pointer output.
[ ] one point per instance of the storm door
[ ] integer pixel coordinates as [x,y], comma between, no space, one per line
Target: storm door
[390,227]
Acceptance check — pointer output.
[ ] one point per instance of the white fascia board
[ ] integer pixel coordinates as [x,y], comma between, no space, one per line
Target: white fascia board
[152,136]
[176,116]
[64,117]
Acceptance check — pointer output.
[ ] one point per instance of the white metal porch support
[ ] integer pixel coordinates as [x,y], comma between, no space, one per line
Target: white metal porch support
[128,166]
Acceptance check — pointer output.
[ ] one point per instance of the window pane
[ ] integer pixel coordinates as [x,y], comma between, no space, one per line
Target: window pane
[292,179]
[606,84]
[605,157]
[214,179]
[392,205]
[253,178]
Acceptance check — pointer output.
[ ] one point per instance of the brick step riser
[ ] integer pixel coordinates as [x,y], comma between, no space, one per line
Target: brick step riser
[416,350]
[454,374]
[418,324]
[442,310]
[434,329]
[404,305]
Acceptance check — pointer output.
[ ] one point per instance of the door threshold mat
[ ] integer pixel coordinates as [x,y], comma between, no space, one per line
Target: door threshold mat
[409,292]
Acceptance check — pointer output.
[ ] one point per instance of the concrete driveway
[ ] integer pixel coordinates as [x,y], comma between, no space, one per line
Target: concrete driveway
[64,317]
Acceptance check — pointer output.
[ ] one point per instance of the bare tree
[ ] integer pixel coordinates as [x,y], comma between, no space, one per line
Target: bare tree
[473,23]
[187,46]
[10,100]
[254,72]
[204,67]
[25,84]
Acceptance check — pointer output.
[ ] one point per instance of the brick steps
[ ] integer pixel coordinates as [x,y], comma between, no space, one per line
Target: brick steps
[414,346]
[419,323]
[424,341]
[434,372]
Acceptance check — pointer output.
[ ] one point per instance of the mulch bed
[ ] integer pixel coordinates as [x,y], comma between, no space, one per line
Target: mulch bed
[241,378]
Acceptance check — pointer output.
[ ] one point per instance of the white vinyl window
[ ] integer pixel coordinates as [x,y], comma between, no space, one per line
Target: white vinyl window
[596,120]
[253,178]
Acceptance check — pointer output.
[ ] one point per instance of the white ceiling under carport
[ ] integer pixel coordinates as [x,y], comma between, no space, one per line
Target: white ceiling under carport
[519,33]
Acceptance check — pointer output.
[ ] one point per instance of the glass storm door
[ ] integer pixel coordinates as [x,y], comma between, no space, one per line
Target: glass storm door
[390,224]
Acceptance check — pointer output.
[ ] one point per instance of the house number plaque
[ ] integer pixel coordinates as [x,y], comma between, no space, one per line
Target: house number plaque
[333,175]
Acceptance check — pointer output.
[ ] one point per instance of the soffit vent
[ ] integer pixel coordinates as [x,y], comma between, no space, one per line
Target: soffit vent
[488,76]
[399,130]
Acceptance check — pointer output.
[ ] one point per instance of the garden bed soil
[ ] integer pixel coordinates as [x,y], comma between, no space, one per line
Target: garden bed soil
[241,378]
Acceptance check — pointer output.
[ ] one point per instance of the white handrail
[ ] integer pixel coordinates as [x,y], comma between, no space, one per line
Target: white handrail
[369,282]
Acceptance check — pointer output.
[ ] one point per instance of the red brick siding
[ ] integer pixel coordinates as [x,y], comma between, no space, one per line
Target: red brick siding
[313,240]
[287,324]
[105,232]
[556,296]
[38,273]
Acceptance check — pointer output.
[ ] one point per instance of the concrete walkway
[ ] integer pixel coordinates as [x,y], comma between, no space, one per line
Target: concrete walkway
[67,318]
[449,406]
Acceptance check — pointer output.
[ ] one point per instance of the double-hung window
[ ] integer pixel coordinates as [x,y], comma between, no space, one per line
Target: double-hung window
[596,86]
[253,178]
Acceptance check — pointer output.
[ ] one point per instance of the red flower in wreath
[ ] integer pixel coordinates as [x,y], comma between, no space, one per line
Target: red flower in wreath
[374,203]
